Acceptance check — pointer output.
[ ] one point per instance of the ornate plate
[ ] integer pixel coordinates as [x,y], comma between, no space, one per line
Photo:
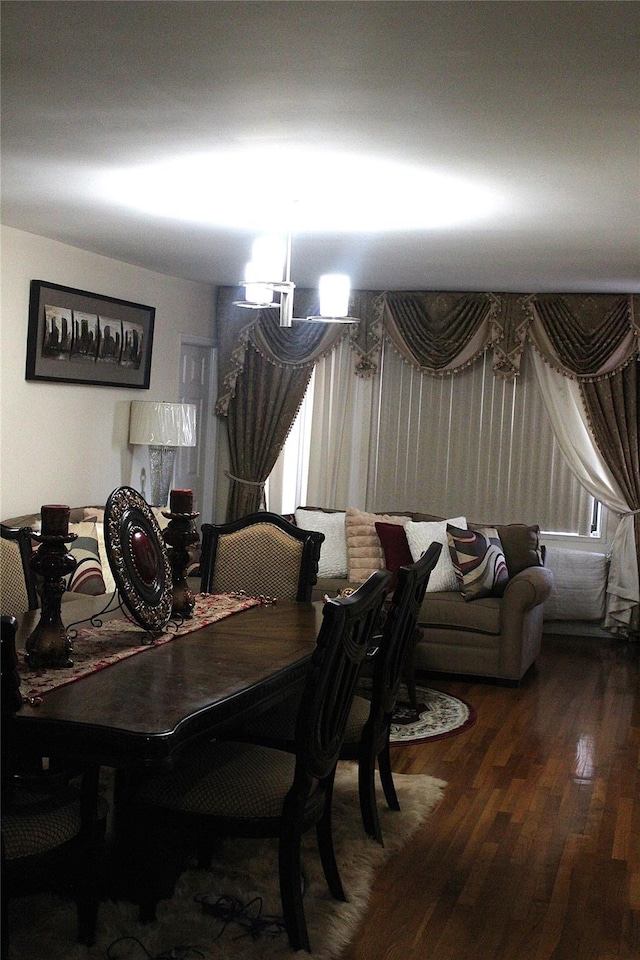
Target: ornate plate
[138,558]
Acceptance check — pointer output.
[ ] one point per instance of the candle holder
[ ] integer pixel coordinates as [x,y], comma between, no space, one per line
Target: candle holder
[179,534]
[50,645]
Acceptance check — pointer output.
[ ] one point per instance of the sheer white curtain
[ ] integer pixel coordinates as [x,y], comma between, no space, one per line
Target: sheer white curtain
[568,418]
[339,449]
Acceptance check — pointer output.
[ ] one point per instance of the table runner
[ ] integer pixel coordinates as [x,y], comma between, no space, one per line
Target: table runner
[97,647]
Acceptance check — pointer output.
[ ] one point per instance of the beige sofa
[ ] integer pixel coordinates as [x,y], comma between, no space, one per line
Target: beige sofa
[93,575]
[494,636]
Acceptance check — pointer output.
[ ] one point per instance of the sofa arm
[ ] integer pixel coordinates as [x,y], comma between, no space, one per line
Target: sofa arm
[527,589]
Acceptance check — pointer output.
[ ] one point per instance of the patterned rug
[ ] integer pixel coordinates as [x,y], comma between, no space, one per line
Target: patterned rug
[439,715]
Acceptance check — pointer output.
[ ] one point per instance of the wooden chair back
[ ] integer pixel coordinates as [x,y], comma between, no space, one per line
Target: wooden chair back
[261,554]
[344,637]
[398,629]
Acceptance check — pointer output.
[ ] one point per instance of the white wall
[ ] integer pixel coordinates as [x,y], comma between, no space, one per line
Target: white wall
[67,443]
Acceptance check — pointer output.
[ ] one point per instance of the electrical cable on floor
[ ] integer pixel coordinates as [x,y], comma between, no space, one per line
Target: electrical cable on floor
[178,952]
[229,909]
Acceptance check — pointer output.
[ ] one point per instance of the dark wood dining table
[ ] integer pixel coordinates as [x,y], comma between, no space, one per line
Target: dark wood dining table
[144,712]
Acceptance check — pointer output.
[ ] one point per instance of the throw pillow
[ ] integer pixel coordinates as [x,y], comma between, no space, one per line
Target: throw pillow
[395,548]
[98,516]
[420,536]
[87,577]
[478,560]
[521,545]
[333,552]
[364,550]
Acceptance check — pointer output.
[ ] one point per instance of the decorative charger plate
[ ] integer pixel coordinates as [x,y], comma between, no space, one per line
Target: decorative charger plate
[138,558]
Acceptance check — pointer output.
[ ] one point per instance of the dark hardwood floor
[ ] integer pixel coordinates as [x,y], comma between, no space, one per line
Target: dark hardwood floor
[534,853]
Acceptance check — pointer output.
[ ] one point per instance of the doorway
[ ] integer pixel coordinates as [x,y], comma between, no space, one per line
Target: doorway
[195,467]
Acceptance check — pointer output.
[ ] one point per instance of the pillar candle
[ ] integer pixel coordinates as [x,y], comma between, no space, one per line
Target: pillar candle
[55,520]
[181,501]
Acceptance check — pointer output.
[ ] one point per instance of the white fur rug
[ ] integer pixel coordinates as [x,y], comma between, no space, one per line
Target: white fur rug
[43,928]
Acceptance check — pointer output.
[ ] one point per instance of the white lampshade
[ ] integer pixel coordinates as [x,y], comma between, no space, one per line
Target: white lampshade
[334,291]
[268,254]
[256,292]
[159,424]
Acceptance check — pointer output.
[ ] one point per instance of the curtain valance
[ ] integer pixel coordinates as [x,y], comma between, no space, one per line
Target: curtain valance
[439,333]
[585,336]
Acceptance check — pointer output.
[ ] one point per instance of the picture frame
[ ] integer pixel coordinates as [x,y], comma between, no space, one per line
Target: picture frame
[79,337]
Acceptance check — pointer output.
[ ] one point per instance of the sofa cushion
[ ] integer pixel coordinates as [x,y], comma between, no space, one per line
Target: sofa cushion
[479,562]
[333,552]
[420,536]
[87,577]
[395,548]
[364,550]
[448,609]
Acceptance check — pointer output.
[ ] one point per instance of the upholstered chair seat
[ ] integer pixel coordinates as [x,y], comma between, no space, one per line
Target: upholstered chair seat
[53,827]
[226,780]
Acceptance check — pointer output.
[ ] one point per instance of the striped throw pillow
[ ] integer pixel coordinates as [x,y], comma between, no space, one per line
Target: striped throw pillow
[478,561]
[87,577]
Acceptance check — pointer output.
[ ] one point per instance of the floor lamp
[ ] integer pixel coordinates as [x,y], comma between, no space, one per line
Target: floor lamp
[163,427]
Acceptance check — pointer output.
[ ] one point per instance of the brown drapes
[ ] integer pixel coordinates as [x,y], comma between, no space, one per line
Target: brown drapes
[267,374]
[259,416]
[613,406]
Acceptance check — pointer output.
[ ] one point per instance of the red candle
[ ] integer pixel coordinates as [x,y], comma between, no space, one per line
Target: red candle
[55,520]
[181,501]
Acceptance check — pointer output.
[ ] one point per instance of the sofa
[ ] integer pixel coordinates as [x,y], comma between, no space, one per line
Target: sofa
[467,626]
[92,576]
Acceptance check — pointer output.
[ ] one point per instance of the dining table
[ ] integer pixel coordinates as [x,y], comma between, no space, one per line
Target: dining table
[142,712]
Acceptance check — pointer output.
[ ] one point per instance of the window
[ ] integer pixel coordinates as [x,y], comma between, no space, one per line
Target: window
[468,443]
[475,440]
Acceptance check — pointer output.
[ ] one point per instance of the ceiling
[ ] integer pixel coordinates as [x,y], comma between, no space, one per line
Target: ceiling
[504,138]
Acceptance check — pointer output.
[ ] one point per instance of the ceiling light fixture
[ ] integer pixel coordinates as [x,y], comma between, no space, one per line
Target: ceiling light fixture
[271,258]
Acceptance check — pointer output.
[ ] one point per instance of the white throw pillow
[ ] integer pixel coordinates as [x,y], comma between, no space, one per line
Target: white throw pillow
[333,553]
[420,536]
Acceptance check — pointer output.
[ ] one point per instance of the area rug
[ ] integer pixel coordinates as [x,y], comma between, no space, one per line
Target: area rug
[439,715]
[44,927]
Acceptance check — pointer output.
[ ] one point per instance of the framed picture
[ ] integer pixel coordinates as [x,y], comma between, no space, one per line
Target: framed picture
[80,337]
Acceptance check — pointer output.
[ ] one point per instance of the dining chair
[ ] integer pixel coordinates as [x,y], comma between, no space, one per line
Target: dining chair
[52,829]
[17,580]
[261,554]
[367,734]
[235,789]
